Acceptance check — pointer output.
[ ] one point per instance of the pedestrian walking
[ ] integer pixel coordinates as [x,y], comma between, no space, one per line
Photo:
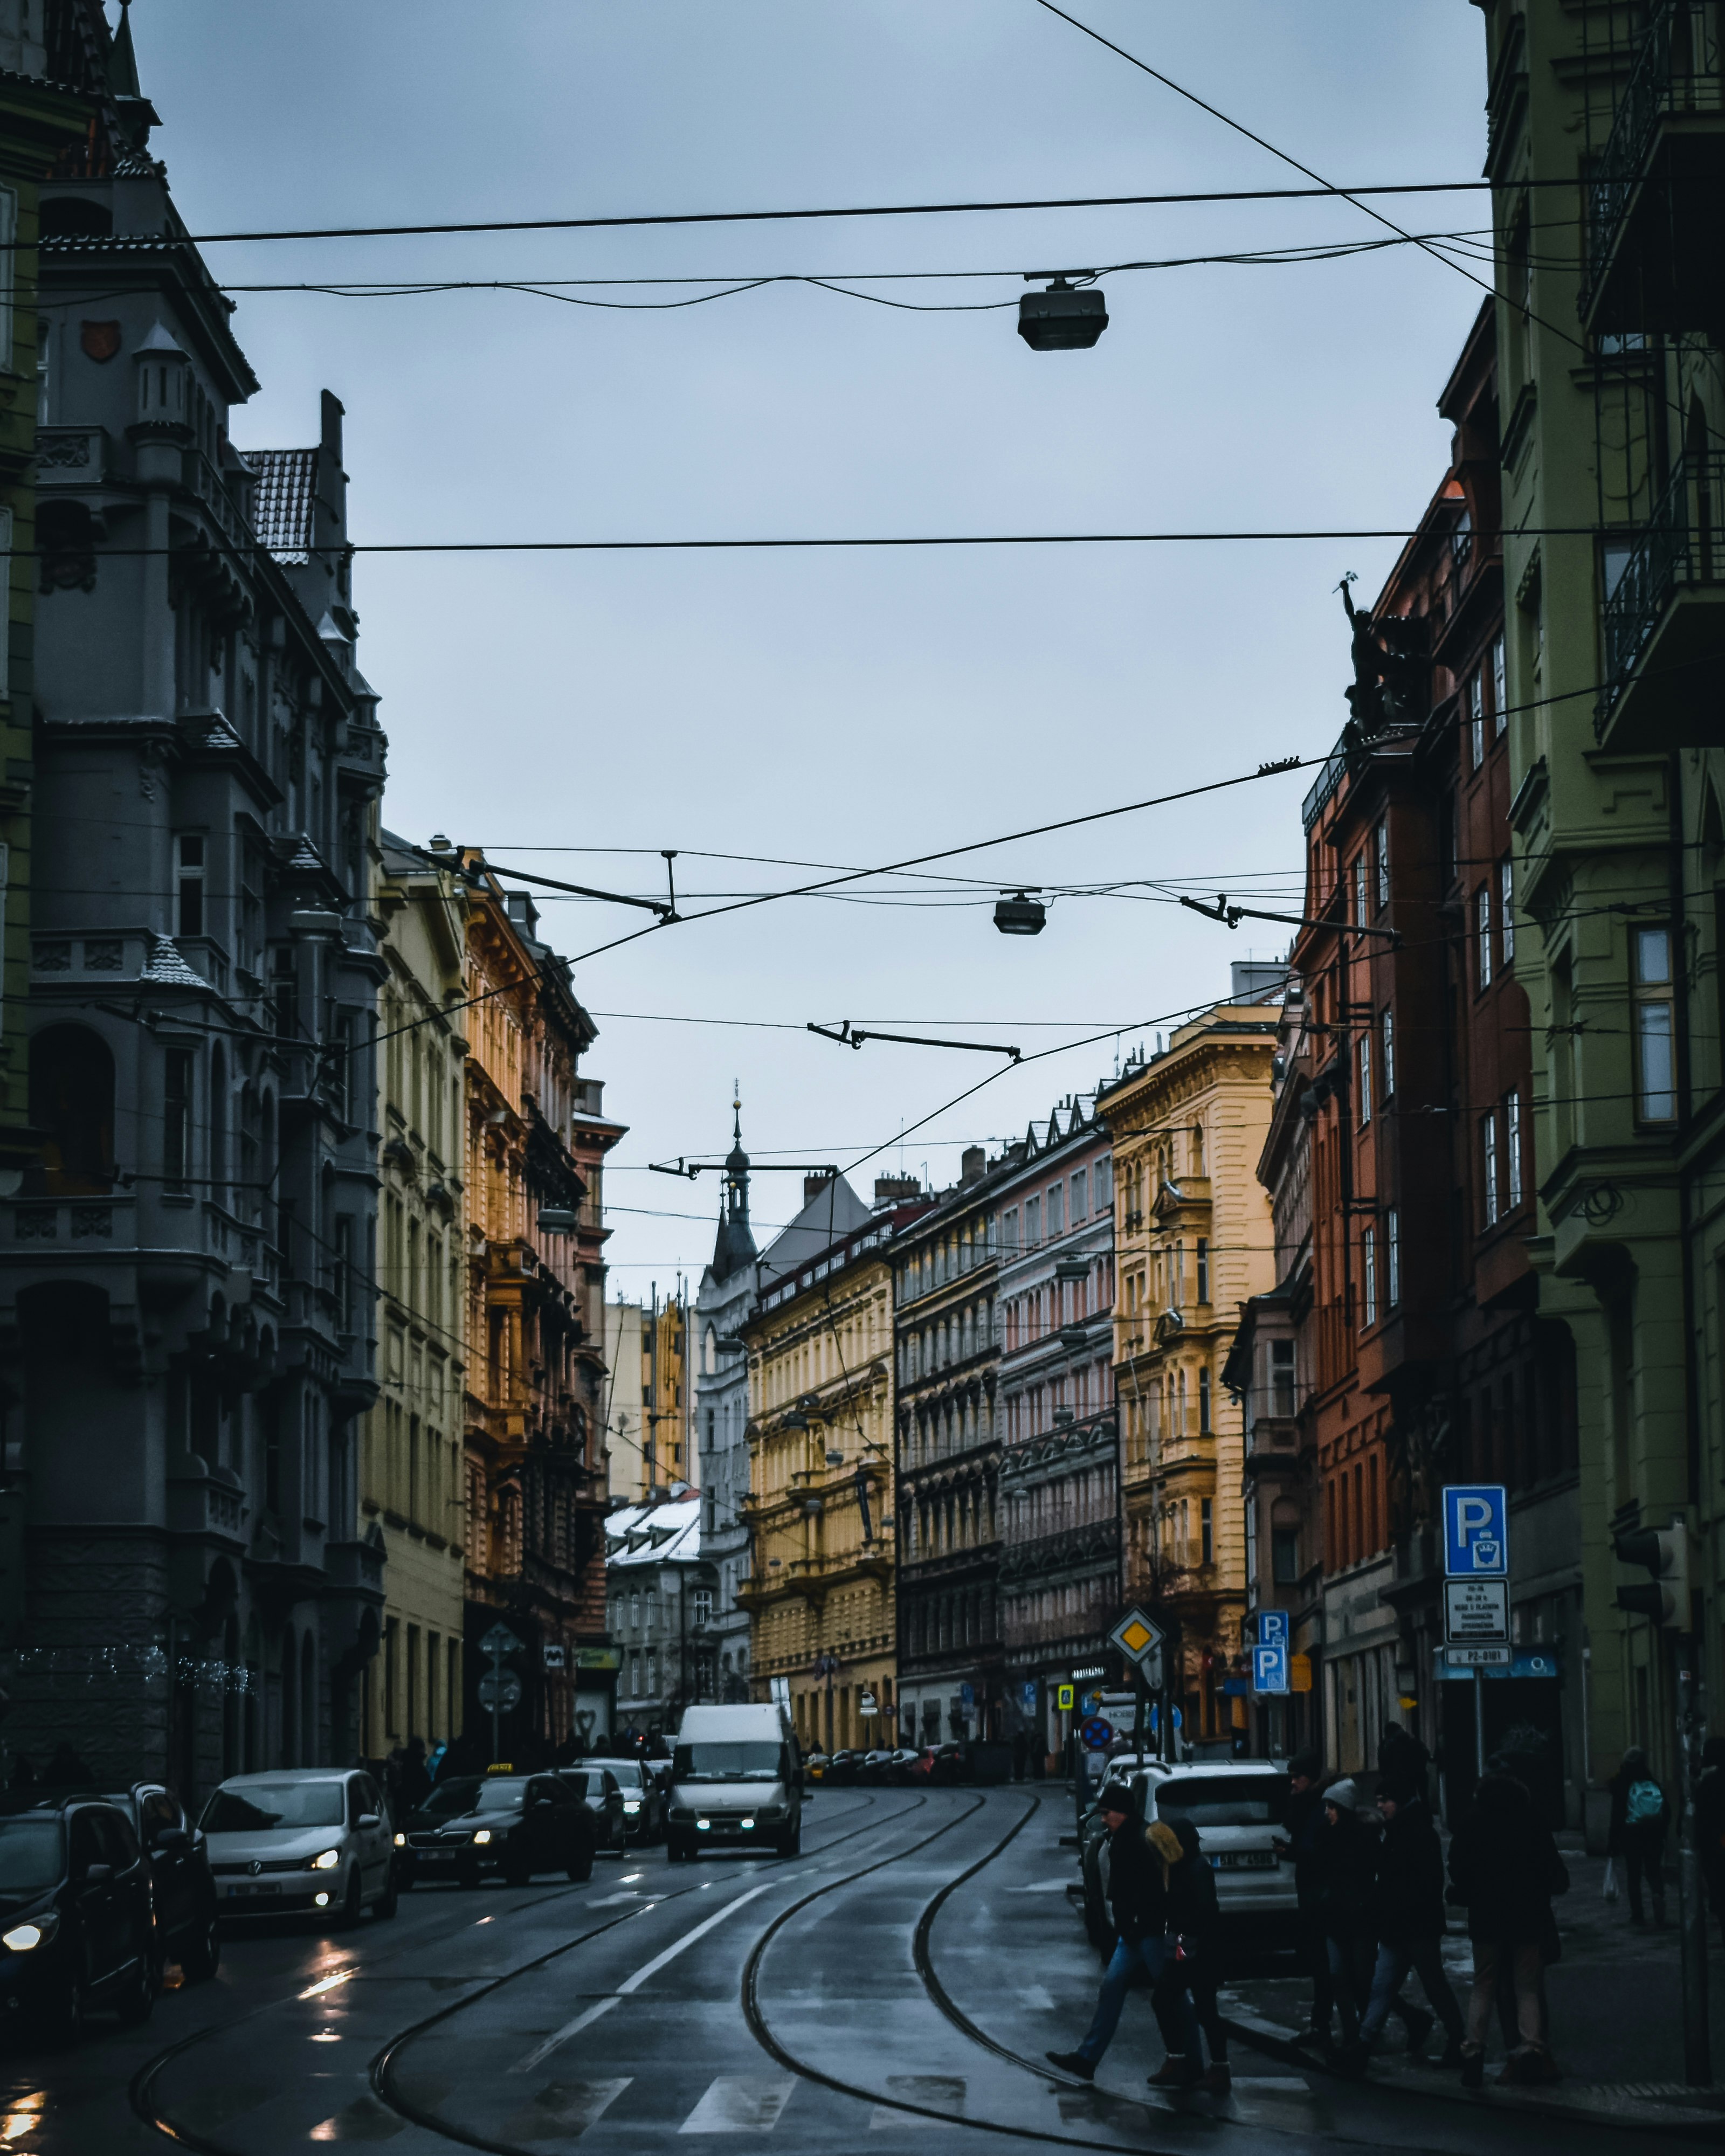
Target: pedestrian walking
[1402,1757]
[1305,1826]
[1185,1996]
[1138,1895]
[1348,1885]
[1408,1911]
[1710,1824]
[1504,1869]
[1640,1817]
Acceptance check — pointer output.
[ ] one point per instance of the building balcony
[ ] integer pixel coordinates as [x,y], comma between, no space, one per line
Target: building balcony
[1663,619]
[1656,207]
[1092,1546]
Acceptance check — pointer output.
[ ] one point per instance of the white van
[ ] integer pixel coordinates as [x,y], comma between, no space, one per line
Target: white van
[735,1778]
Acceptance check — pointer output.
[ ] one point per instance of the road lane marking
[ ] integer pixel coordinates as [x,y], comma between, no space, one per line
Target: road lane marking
[629,1984]
[740,2104]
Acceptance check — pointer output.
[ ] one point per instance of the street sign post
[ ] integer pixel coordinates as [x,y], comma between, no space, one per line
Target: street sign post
[1476,1552]
[1138,1638]
[1273,1628]
[497,1681]
[1269,1667]
[499,1690]
[500,1641]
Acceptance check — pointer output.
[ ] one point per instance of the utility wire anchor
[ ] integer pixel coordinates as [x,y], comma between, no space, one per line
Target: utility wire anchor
[849,1036]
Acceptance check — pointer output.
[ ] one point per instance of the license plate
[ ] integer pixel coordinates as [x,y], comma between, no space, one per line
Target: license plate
[254,1890]
[1246,1859]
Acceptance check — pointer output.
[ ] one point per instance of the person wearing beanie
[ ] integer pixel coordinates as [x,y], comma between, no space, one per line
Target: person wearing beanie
[1305,1825]
[1185,1992]
[1409,1907]
[1138,1895]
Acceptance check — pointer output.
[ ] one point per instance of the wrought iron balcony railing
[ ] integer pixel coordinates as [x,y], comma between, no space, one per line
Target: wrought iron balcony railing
[1679,69]
[1681,547]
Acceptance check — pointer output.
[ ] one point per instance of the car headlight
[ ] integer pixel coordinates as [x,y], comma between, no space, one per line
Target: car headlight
[484,1835]
[24,1938]
[703,1824]
[328,1861]
[631,1804]
[401,1841]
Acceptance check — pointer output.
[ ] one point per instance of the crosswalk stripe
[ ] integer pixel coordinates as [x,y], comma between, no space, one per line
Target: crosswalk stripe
[740,2103]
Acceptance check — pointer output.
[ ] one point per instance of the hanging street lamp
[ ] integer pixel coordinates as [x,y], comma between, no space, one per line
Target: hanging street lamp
[1017,914]
[1063,318]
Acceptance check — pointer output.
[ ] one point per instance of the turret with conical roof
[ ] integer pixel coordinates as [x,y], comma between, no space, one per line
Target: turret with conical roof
[734,1246]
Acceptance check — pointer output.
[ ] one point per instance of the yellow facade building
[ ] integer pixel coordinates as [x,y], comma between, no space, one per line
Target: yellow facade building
[411,1479]
[821,1596]
[1193,1240]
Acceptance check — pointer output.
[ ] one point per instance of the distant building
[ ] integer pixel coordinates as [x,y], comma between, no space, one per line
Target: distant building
[626,1399]
[659,1586]
[412,1485]
[721,1411]
[1059,1469]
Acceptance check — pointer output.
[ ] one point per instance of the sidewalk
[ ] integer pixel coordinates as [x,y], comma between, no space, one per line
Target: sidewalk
[1616,2011]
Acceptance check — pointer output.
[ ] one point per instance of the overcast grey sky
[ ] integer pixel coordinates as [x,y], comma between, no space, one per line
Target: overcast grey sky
[839,707]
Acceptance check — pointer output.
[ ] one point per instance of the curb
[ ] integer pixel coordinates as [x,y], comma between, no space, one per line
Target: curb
[1637,2112]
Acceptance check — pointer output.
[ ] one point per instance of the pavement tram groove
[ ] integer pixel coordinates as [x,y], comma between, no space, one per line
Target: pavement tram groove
[900,1981]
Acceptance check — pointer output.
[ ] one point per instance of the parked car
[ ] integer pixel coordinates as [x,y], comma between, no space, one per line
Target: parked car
[644,1799]
[473,1825]
[599,1790]
[311,1841]
[1238,1806]
[842,1767]
[736,1778]
[76,1930]
[876,1768]
[182,1888]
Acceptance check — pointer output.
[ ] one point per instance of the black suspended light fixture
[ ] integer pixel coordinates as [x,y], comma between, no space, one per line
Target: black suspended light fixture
[1066,318]
[1016,913]
[557,1219]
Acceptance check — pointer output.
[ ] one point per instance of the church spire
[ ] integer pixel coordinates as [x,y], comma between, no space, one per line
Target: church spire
[734,1246]
[122,60]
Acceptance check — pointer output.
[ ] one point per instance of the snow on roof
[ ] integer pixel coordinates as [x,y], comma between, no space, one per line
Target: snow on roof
[654,1534]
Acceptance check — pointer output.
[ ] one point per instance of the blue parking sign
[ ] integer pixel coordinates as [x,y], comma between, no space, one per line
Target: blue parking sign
[1270,1668]
[1272,1628]
[1476,1531]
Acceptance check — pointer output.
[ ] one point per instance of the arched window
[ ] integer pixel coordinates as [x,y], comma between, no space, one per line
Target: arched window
[710,1352]
[72,1105]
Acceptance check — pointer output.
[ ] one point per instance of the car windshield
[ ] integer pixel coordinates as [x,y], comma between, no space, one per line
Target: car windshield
[453,1796]
[584,1784]
[1225,1800]
[274,1808]
[501,1796]
[727,1763]
[31,1853]
[627,1773]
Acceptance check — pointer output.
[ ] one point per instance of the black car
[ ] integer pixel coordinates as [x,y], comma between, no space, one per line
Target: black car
[515,1824]
[182,1890]
[598,1789]
[76,1929]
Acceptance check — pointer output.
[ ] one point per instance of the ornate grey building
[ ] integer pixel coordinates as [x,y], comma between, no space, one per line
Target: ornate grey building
[186,1298]
[721,1416]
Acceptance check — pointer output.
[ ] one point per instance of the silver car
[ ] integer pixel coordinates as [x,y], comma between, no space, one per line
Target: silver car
[303,1840]
[1239,1807]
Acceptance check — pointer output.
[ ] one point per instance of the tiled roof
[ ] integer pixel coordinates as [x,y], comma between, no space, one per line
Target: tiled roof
[283,505]
[167,967]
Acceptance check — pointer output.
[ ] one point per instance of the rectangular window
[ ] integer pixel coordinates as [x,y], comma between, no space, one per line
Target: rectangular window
[1368,1275]
[188,885]
[1281,1378]
[1056,1210]
[1081,1207]
[1392,1259]
[1009,1228]
[1365,1079]
[1482,933]
[1476,719]
[1382,862]
[1388,1052]
[1359,892]
[1207,1530]
[176,1119]
[1506,907]
[1500,691]
[1284,1556]
[1203,1401]
[1203,1270]
[1656,1065]
[1512,1147]
[1105,1182]
[1488,1161]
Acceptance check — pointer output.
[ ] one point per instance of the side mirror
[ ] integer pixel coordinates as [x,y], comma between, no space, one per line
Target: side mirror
[368,1818]
[172,1838]
[98,1874]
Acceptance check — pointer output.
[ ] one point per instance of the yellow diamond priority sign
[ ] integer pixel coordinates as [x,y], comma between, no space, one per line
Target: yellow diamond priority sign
[1137,1636]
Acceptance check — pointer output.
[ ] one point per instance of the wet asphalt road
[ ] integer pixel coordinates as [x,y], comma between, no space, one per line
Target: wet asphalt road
[897,1984]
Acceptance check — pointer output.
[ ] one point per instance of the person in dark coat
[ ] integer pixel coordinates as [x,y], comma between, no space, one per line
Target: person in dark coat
[1402,1757]
[1710,1824]
[1640,1817]
[1346,1896]
[1504,1869]
[1138,1895]
[66,1770]
[1186,1990]
[1408,1911]
[1303,1843]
